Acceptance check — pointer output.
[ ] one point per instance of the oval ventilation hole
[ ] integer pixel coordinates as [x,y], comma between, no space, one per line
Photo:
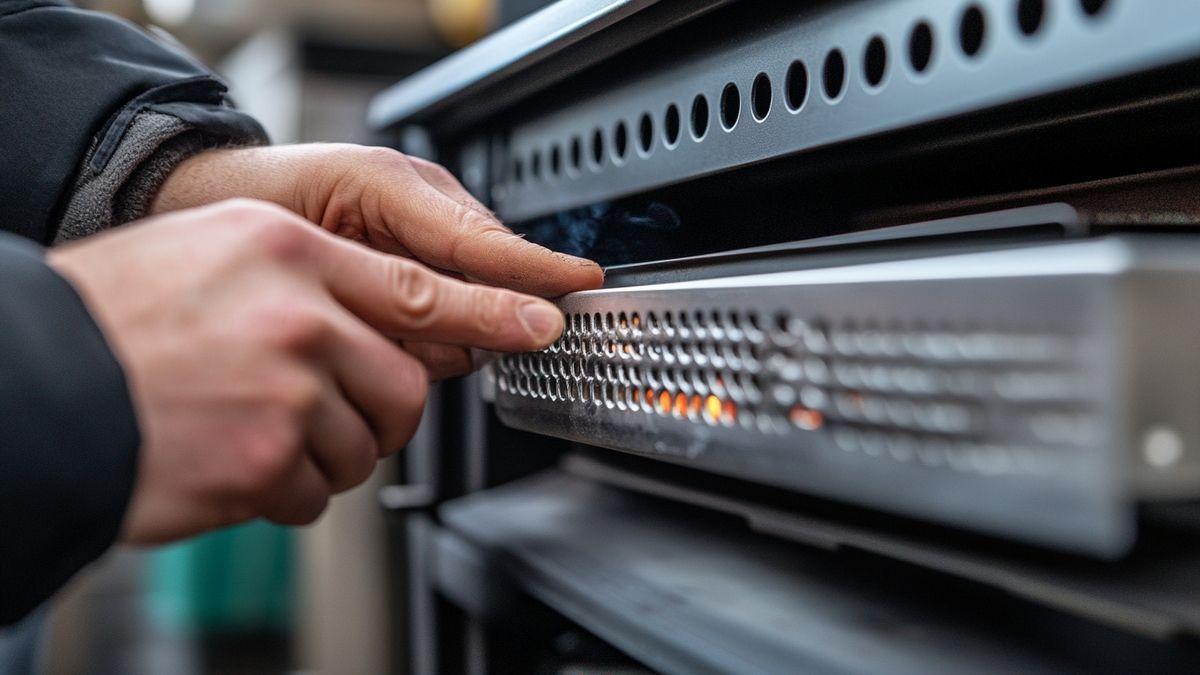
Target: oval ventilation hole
[576,153]
[620,140]
[671,125]
[1030,15]
[1093,7]
[598,147]
[834,74]
[555,160]
[535,165]
[731,106]
[920,46]
[646,132]
[796,85]
[972,28]
[699,116]
[760,97]
[875,61]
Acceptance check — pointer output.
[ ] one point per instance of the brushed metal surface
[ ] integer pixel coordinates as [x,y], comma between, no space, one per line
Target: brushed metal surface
[991,390]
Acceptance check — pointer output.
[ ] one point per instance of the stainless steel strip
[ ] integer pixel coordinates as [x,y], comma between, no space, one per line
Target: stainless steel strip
[536,37]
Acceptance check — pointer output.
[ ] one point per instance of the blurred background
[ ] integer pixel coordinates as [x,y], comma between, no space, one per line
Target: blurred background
[260,598]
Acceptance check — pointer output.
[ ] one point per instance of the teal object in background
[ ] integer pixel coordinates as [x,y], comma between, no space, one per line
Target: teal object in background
[236,580]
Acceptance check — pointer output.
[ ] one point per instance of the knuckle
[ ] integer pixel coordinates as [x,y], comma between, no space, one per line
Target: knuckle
[414,293]
[477,224]
[489,309]
[299,398]
[469,224]
[440,171]
[276,234]
[266,458]
[294,330]
[382,156]
[492,230]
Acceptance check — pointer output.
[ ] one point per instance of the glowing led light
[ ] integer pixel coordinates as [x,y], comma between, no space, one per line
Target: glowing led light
[664,402]
[729,412]
[681,405]
[809,420]
[696,406]
[712,408]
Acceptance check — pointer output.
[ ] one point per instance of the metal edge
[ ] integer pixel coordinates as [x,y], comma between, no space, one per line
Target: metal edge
[526,42]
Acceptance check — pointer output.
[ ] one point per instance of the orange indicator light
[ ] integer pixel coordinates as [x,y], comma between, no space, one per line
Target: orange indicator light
[712,408]
[729,414]
[664,402]
[809,420]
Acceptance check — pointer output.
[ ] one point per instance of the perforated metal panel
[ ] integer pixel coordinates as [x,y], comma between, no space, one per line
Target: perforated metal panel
[821,75]
[982,389]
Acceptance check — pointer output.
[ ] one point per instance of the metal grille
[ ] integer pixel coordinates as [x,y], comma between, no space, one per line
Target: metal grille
[906,392]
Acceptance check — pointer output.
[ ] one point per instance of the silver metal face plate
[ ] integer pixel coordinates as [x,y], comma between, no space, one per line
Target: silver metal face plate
[982,389]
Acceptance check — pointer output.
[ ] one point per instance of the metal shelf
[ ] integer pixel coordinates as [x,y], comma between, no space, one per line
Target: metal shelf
[684,592]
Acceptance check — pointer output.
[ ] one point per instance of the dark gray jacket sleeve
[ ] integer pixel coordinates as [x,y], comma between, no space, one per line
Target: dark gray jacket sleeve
[68,436]
[95,113]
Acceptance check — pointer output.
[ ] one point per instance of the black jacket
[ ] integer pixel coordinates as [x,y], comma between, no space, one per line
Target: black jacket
[73,84]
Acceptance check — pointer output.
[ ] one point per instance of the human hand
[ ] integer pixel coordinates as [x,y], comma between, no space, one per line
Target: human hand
[258,357]
[392,202]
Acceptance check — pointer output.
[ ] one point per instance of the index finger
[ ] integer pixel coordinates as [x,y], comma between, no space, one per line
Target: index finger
[445,227]
[403,299]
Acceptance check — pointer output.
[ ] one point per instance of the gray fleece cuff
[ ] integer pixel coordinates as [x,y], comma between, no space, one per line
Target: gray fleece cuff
[152,146]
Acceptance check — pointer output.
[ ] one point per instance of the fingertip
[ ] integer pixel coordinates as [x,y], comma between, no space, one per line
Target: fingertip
[591,273]
[560,273]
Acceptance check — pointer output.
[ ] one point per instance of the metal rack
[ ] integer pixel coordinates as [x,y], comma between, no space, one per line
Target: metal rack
[1034,161]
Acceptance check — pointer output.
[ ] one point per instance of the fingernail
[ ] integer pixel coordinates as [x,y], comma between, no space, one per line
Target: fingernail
[543,322]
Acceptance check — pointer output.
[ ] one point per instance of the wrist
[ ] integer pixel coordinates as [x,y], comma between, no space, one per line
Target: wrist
[264,173]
